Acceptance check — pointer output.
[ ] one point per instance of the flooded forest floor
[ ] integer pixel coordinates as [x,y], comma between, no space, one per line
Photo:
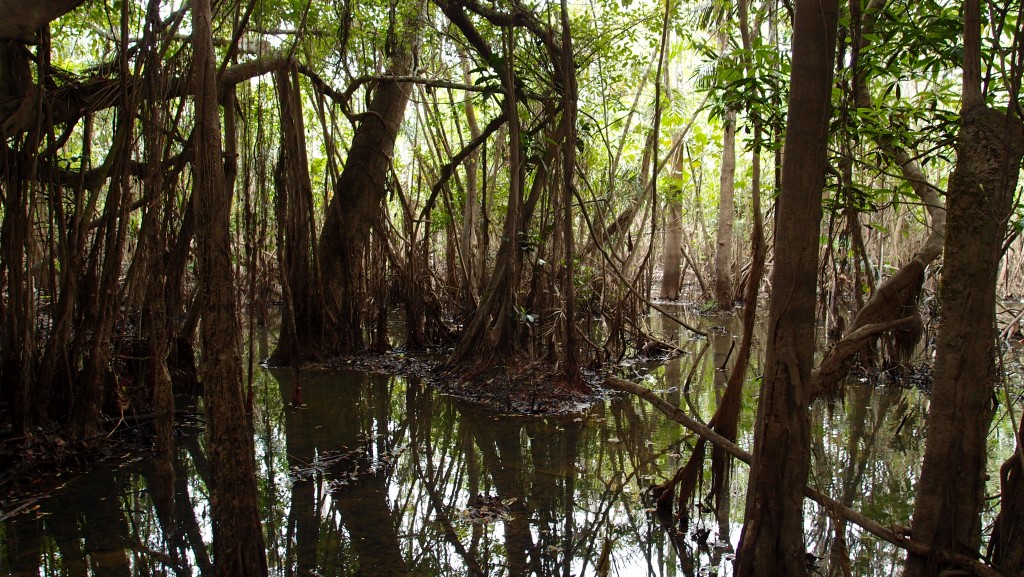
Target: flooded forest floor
[386,466]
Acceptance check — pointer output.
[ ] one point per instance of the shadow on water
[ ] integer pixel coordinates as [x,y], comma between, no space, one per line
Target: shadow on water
[377,476]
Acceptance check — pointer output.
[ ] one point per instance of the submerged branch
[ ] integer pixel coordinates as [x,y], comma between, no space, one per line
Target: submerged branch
[898,536]
[827,378]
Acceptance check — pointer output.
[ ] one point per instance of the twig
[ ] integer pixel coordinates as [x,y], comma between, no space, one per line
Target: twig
[628,285]
[17,510]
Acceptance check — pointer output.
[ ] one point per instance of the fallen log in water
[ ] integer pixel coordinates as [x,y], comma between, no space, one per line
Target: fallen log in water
[899,536]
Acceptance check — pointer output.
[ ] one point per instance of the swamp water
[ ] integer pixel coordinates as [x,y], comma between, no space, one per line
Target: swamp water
[381,476]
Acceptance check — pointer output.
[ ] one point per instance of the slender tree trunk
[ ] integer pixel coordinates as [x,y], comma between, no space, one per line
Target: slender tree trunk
[237,535]
[726,214]
[153,243]
[182,360]
[772,541]
[17,354]
[471,207]
[726,419]
[570,356]
[671,262]
[97,385]
[727,423]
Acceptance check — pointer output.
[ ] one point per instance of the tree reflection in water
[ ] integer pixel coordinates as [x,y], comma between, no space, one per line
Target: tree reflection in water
[377,476]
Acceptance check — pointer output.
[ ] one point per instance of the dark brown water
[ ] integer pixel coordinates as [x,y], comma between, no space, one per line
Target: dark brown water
[380,476]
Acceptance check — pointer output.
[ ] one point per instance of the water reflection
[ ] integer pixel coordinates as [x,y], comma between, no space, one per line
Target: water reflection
[378,476]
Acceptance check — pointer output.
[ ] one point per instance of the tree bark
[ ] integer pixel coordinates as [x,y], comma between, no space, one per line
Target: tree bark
[772,541]
[237,534]
[951,491]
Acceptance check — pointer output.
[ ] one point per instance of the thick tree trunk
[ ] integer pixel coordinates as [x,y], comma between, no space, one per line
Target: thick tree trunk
[237,535]
[22,19]
[357,202]
[772,542]
[950,493]
[301,322]
[17,355]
